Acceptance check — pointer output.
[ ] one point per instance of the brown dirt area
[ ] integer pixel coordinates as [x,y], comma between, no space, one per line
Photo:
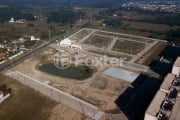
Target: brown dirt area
[129,47]
[98,41]
[152,54]
[99,90]
[26,103]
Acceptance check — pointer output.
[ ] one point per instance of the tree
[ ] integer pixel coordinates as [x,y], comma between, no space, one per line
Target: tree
[114,22]
[64,16]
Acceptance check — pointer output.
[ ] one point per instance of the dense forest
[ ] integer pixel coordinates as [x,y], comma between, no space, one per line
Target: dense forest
[64,16]
[7,12]
[92,3]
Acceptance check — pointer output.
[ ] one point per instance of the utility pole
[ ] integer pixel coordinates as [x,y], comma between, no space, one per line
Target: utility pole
[49,34]
[80,19]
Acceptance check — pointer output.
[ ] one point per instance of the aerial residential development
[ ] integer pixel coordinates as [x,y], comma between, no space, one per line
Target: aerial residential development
[89,60]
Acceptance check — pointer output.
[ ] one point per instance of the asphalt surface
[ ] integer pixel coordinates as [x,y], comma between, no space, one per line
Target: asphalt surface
[36,50]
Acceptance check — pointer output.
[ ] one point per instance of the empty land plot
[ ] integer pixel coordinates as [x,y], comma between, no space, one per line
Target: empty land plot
[129,47]
[136,38]
[80,35]
[98,41]
[110,54]
[106,33]
[131,37]
[25,103]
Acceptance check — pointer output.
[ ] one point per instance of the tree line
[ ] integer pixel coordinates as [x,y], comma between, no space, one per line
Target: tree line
[64,16]
[8,12]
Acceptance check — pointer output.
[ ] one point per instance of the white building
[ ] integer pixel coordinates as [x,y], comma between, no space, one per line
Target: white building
[77,47]
[65,43]
[167,82]
[155,106]
[176,67]
[68,43]
[11,20]
[34,39]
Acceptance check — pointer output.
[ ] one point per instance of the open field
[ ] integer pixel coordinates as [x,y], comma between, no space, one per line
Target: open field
[129,47]
[126,31]
[26,103]
[152,54]
[147,26]
[96,91]
[124,36]
[98,41]
[80,35]
[114,44]
[38,28]
[110,54]
[119,45]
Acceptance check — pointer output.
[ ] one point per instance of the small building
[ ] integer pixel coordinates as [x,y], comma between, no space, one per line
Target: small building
[77,47]
[65,43]
[21,21]
[27,37]
[104,24]
[4,93]
[2,55]
[34,39]
[176,67]
[115,15]
[11,20]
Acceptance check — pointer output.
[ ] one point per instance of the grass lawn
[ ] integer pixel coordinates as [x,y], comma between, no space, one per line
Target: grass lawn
[24,103]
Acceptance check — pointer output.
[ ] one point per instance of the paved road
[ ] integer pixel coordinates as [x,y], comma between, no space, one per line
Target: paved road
[36,50]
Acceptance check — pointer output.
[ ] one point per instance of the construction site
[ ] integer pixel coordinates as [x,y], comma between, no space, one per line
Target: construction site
[99,85]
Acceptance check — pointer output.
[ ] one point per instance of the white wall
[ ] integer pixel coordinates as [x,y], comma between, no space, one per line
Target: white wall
[176,70]
[149,117]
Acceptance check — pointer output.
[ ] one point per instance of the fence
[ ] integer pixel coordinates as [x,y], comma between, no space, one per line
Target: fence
[60,96]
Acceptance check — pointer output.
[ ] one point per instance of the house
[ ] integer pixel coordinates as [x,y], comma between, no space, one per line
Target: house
[11,20]
[4,93]
[21,21]
[27,37]
[34,39]
[2,54]
[115,15]
[77,47]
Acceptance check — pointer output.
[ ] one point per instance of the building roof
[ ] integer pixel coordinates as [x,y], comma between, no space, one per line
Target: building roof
[167,81]
[2,54]
[154,107]
[177,62]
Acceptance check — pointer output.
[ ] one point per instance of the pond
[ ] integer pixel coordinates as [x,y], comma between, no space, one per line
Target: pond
[73,72]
